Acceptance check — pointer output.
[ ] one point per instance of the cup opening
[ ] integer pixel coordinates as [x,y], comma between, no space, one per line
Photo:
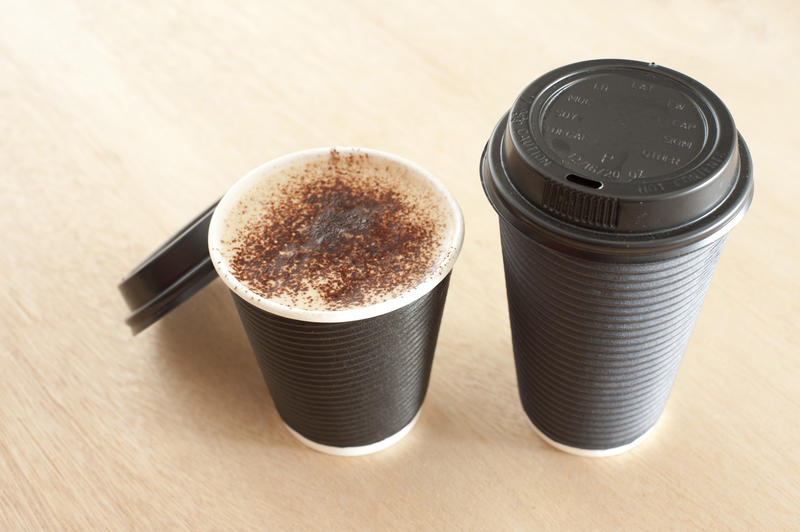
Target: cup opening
[253,178]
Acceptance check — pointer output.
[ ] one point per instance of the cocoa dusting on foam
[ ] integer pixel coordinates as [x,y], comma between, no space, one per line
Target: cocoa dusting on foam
[339,233]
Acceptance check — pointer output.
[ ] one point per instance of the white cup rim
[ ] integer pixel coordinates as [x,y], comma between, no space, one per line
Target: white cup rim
[231,197]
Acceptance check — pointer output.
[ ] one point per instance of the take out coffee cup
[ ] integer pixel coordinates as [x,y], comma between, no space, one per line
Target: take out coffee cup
[616,184]
[346,378]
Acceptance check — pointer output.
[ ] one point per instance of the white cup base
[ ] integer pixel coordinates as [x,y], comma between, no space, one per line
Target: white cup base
[359,450]
[593,453]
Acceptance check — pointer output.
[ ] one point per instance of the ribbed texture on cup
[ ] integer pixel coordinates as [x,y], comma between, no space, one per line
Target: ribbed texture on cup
[347,384]
[597,345]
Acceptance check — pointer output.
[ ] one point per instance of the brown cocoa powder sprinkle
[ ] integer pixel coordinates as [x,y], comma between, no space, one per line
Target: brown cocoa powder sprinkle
[342,231]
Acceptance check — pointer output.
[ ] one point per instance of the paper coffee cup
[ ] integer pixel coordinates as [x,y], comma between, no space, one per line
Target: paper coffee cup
[351,379]
[616,183]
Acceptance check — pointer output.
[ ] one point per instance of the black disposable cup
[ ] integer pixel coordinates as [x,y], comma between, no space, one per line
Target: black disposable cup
[346,382]
[616,184]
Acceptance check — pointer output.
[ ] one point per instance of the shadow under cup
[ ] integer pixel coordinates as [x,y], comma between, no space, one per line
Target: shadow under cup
[345,382]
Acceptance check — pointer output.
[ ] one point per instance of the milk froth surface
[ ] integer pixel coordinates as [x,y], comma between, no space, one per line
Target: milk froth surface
[338,232]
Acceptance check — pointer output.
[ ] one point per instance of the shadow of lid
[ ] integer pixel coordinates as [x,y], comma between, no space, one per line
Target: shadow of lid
[210,373]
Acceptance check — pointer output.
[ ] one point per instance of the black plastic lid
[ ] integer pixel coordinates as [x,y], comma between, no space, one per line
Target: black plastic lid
[171,275]
[618,160]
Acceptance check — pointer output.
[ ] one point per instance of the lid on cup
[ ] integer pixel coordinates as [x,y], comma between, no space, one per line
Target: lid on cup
[620,160]
[170,275]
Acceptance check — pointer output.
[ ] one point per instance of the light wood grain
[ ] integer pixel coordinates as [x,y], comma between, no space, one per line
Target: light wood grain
[118,122]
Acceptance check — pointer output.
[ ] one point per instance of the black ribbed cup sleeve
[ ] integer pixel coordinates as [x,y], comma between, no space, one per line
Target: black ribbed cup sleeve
[347,384]
[597,345]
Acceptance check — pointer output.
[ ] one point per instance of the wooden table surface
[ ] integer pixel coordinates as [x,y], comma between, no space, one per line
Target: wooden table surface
[119,122]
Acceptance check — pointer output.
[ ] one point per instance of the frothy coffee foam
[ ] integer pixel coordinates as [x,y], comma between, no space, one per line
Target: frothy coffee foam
[338,232]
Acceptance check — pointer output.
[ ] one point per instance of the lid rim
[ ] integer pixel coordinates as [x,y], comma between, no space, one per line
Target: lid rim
[583,242]
[168,276]
[172,297]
